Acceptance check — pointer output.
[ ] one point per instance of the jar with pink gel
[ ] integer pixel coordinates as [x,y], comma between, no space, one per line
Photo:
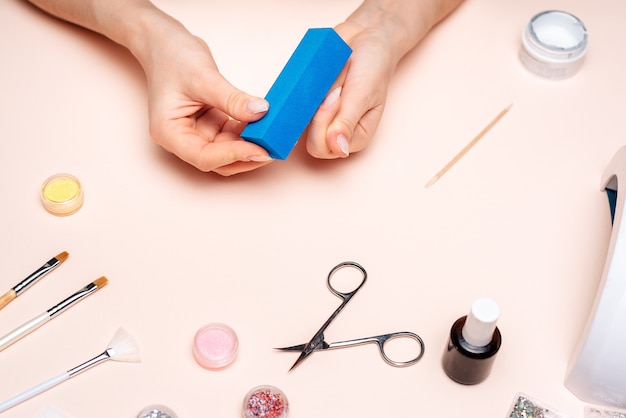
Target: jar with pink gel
[215,346]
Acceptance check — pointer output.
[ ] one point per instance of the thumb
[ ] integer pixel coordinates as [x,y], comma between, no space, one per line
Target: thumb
[232,101]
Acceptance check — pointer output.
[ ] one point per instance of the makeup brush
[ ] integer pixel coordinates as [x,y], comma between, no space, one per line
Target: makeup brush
[41,319]
[121,348]
[32,279]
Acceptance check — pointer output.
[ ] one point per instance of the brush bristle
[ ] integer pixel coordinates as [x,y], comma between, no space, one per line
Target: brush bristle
[100,282]
[62,256]
[123,347]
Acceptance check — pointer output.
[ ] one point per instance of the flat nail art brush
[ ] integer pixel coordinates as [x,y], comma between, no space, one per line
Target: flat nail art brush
[32,279]
[41,319]
[121,348]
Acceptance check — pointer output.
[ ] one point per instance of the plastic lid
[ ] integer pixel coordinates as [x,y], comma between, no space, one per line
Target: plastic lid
[265,401]
[480,323]
[556,36]
[215,346]
[62,194]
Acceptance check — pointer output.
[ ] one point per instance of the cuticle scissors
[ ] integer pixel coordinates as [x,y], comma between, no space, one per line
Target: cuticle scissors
[318,343]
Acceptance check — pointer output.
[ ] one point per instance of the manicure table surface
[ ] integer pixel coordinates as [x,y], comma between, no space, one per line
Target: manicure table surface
[520,218]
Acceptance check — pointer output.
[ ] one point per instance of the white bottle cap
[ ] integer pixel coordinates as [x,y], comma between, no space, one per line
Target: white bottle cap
[481,322]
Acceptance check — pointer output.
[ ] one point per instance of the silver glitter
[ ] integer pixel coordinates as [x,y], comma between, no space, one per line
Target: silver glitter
[156,411]
[525,408]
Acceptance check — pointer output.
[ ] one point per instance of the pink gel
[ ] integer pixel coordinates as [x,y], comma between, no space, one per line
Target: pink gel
[215,346]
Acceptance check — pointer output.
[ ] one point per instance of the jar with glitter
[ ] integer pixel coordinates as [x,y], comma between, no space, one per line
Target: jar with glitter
[215,346]
[157,411]
[265,402]
[62,194]
[523,406]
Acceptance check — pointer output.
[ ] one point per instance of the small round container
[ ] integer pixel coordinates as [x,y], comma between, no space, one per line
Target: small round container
[553,44]
[265,402]
[62,194]
[215,346]
[157,411]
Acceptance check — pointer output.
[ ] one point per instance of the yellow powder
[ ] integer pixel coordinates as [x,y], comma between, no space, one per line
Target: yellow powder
[61,190]
[62,194]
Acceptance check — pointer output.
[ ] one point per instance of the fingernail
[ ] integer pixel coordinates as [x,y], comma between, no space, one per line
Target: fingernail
[342,141]
[332,98]
[259,158]
[257,106]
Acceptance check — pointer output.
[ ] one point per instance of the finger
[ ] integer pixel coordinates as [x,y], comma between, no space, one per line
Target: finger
[239,167]
[204,123]
[362,133]
[355,123]
[209,123]
[230,155]
[217,91]
[226,149]
[316,142]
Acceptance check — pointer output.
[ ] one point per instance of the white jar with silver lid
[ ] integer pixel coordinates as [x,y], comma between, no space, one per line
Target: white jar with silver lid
[553,44]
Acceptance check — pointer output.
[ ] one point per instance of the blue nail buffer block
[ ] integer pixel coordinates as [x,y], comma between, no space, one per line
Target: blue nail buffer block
[298,91]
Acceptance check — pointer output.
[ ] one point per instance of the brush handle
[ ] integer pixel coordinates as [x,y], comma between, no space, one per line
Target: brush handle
[23,330]
[42,387]
[7,297]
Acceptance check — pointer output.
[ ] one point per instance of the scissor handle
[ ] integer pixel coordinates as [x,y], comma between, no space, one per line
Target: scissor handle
[346,296]
[381,340]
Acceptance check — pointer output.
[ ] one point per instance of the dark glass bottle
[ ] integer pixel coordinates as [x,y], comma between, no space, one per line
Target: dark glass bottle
[467,363]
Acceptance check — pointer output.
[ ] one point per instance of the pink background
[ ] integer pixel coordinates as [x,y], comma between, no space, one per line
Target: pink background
[520,218]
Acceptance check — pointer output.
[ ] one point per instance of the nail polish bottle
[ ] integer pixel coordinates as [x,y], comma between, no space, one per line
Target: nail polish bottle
[474,343]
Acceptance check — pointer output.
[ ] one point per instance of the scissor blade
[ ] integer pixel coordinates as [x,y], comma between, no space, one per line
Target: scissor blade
[306,350]
[298,347]
[300,359]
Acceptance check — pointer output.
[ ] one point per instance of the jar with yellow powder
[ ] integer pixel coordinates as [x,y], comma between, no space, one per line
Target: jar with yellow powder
[62,194]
